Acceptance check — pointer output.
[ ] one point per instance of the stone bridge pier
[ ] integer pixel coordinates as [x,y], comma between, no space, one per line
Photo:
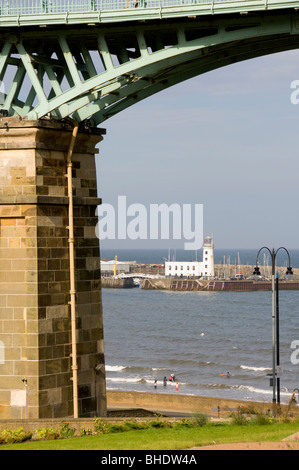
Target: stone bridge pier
[35,314]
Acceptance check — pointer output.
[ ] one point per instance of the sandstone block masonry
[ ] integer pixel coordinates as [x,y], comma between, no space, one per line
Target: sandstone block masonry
[35,326]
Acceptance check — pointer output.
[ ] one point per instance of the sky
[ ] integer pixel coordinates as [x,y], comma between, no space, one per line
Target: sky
[227,139]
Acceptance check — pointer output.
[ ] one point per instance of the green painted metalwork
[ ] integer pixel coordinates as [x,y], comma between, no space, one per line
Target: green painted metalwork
[36,7]
[49,7]
[17,13]
[98,70]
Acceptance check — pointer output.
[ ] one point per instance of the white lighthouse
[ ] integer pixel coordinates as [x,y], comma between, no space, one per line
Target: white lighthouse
[194,269]
[208,258]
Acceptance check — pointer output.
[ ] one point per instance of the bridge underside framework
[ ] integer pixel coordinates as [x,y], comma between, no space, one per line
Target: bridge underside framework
[92,72]
[89,70]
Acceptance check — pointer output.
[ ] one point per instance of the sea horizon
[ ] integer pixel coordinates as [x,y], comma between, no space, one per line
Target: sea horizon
[234,256]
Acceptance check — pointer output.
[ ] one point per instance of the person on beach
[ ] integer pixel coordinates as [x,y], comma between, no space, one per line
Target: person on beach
[165,382]
[155,385]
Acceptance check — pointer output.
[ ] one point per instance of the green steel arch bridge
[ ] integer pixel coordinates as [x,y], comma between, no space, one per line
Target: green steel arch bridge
[91,59]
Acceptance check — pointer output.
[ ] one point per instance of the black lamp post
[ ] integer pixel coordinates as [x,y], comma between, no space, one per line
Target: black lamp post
[275,287]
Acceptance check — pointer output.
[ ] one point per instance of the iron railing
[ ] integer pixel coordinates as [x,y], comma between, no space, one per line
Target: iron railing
[36,7]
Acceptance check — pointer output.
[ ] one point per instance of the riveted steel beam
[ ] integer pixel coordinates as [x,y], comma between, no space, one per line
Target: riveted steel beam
[96,73]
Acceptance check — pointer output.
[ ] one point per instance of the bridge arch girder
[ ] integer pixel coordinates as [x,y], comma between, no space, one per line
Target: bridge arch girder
[97,72]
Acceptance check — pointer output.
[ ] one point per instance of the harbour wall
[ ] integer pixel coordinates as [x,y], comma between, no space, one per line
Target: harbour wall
[196,285]
[222,271]
[111,283]
[218,285]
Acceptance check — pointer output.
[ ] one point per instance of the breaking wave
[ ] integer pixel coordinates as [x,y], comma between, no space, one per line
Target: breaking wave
[255,369]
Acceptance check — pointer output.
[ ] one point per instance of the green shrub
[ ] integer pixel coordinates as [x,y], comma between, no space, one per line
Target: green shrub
[200,420]
[101,427]
[133,425]
[184,423]
[262,420]
[47,433]
[65,431]
[239,419]
[115,428]
[158,424]
[14,436]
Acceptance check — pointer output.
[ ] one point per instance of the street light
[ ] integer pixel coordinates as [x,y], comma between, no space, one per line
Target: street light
[289,272]
[275,357]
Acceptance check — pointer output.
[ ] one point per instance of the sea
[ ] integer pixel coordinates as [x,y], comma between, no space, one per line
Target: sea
[217,344]
[221,256]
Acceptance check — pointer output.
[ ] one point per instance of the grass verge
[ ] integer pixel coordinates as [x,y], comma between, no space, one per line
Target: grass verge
[174,437]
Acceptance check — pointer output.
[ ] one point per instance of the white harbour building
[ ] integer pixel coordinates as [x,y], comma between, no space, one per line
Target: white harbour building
[194,269]
[110,267]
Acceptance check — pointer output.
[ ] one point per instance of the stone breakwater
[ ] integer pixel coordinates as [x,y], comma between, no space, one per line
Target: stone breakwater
[220,284]
[227,285]
[111,283]
[193,285]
